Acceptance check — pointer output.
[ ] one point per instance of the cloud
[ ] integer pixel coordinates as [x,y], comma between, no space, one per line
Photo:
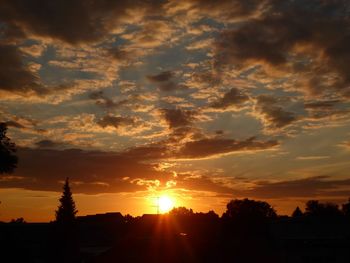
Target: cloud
[176,118]
[333,111]
[218,146]
[164,81]
[306,158]
[200,44]
[345,145]
[14,124]
[325,104]
[197,182]
[90,172]
[115,121]
[152,33]
[272,115]
[231,99]
[161,77]
[134,102]
[47,144]
[311,42]
[309,187]
[103,101]
[150,151]
[75,21]
[18,80]
[224,10]
[14,75]
[121,54]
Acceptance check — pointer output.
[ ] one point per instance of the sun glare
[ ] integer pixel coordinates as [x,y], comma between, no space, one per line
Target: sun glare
[165,204]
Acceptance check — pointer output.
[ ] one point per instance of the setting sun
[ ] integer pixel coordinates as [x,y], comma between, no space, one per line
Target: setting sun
[165,204]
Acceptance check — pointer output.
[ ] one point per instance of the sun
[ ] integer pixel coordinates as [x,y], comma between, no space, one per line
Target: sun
[165,204]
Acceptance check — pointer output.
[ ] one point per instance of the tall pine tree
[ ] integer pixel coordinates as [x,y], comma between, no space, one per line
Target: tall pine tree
[66,210]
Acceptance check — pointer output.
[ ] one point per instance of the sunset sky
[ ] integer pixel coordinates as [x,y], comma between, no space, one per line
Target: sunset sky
[200,100]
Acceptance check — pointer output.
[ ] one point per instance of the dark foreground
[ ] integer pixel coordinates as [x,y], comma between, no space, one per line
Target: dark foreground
[200,238]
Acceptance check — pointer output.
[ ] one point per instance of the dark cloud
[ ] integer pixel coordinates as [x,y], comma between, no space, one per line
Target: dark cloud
[14,124]
[230,8]
[318,110]
[273,115]
[176,118]
[307,187]
[165,81]
[233,98]
[292,29]
[115,121]
[75,21]
[49,144]
[103,101]
[223,10]
[151,151]
[326,104]
[312,187]
[196,147]
[89,172]
[216,146]
[14,75]
[130,170]
[206,78]
[119,54]
[201,183]
[161,77]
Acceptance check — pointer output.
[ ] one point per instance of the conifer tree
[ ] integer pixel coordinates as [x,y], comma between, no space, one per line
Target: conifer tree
[297,212]
[66,210]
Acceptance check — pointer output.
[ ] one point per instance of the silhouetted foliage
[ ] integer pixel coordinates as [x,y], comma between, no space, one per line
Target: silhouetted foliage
[346,208]
[315,208]
[64,243]
[297,212]
[246,209]
[212,214]
[181,211]
[8,158]
[19,220]
[128,218]
[66,210]
[249,232]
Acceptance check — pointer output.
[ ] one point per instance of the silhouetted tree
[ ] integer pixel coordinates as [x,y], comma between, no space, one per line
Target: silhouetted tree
[66,210]
[247,209]
[181,211]
[297,212]
[346,208]
[8,158]
[19,220]
[128,218]
[212,214]
[245,228]
[315,208]
[64,236]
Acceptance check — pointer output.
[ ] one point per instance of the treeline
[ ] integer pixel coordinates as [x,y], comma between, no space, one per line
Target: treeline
[318,209]
[249,209]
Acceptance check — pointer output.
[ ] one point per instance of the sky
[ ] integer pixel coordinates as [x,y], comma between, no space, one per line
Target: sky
[203,101]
